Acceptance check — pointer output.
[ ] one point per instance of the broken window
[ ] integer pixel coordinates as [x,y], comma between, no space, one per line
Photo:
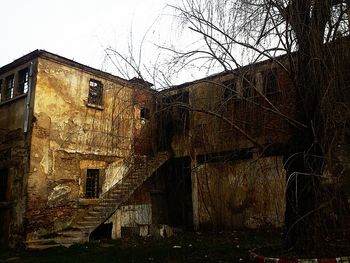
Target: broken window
[9,86]
[3,184]
[92,183]
[95,92]
[270,83]
[145,113]
[230,91]
[23,81]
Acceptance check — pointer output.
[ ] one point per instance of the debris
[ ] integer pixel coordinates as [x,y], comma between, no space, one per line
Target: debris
[177,246]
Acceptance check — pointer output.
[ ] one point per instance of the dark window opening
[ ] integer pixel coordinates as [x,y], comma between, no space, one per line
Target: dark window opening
[3,184]
[95,92]
[270,83]
[230,91]
[173,205]
[9,87]
[246,86]
[23,81]
[92,183]
[145,113]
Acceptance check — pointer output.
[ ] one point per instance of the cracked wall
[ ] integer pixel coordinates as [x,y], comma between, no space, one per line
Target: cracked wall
[70,136]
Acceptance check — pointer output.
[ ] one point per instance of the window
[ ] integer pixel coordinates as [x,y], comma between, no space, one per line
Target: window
[95,92]
[145,113]
[230,91]
[23,81]
[270,83]
[92,183]
[9,86]
[246,86]
[3,184]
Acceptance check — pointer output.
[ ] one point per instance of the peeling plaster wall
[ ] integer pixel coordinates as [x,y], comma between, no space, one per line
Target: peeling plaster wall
[241,194]
[255,187]
[70,137]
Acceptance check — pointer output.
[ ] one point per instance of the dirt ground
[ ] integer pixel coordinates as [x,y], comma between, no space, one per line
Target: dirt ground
[187,247]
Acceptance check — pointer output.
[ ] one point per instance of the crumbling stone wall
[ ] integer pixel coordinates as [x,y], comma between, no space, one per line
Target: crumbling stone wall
[239,194]
[70,136]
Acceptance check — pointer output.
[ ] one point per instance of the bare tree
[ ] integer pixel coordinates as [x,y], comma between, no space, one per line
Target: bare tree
[313,36]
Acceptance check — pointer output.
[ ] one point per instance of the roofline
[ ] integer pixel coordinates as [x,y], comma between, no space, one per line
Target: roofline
[224,73]
[39,53]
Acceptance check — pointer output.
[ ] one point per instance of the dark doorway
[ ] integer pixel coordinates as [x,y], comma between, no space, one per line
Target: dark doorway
[173,205]
[179,186]
[102,232]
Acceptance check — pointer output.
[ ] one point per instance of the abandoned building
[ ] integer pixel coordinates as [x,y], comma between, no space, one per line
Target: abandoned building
[85,154]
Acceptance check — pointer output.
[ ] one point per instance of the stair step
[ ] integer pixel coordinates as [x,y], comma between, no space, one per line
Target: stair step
[102,209]
[115,196]
[98,213]
[92,218]
[88,223]
[95,213]
[42,247]
[72,234]
[40,241]
[86,228]
[40,244]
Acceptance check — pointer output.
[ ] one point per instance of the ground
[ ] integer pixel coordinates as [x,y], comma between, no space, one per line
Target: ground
[187,247]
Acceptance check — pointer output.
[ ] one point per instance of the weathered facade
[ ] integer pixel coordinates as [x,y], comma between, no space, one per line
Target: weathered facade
[83,151]
[68,133]
[234,128]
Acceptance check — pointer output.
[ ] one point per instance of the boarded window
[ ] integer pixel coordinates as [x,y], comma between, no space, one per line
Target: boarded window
[95,92]
[270,83]
[23,81]
[3,184]
[9,86]
[92,183]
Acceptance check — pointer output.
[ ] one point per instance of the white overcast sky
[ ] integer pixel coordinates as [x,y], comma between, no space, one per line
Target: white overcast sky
[81,29]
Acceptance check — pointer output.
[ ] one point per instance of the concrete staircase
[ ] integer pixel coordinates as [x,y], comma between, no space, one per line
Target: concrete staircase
[96,214]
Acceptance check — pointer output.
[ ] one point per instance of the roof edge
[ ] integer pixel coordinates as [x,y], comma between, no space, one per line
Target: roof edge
[40,53]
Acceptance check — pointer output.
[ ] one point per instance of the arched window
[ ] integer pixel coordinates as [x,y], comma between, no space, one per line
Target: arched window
[270,83]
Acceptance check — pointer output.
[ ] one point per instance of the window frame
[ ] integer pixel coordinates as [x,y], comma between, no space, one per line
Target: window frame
[92,183]
[267,80]
[23,81]
[95,96]
[10,79]
[247,89]
[230,90]
[145,113]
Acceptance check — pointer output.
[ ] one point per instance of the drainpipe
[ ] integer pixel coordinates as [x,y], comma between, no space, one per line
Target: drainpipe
[29,93]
